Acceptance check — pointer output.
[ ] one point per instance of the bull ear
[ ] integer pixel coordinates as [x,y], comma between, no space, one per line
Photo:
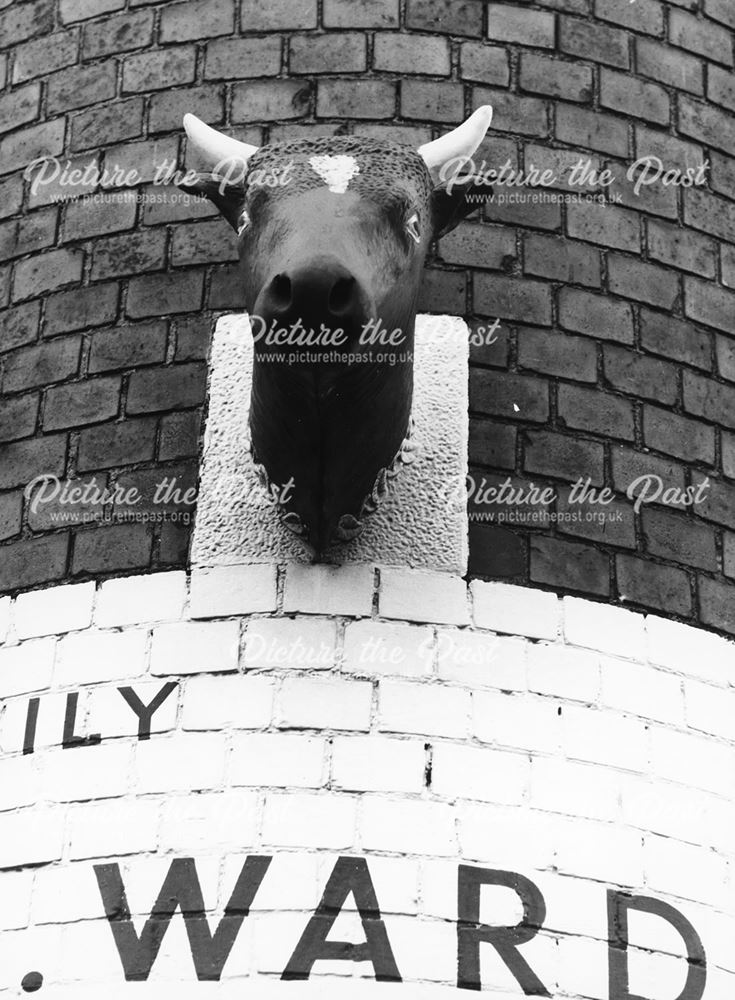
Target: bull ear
[445,155]
[229,198]
[450,206]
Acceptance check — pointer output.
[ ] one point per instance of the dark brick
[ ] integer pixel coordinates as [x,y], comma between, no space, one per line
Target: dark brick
[19,106]
[274,15]
[592,130]
[171,388]
[520,25]
[718,504]
[559,165]
[705,211]
[567,565]
[28,234]
[709,399]
[18,149]
[80,309]
[642,282]
[582,38]
[561,260]
[595,412]
[729,555]
[129,253]
[721,88]
[432,101]
[226,289]
[19,326]
[708,304]
[554,353]
[443,291]
[728,454]
[80,86]
[528,513]
[118,34]
[42,364]
[356,99]
[488,343]
[717,607]
[26,20]
[11,196]
[45,55]
[148,483]
[639,375]
[52,513]
[610,523]
[478,245]
[11,509]
[672,338]
[203,243]
[653,586]
[509,298]
[673,152]
[82,10]
[234,58]
[720,10]
[648,15]
[114,548]
[608,225]
[148,159]
[168,108]
[125,442]
[654,199]
[22,461]
[568,80]
[180,436]
[564,457]
[319,54]
[451,17]
[524,115]
[668,66]
[725,358]
[492,444]
[631,96]
[161,294]
[368,14]
[501,394]
[128,347]
[629,466]
[595,315]
[18,417]
[31,561]
[183,22]
[496,552]
[679,538]
[700,36]
[159,69]
[114,122]
[484,64]
[80,403]
[173,547]
[525,213]
[109,216]
[270,100]
[707,124]
[682,248]
[193,338]
[159,207]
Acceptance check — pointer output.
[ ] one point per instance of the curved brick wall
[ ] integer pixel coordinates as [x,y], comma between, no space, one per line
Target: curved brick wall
[583,749]
[614,356]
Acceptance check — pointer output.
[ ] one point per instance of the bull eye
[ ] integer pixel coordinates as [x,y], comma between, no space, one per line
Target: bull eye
[412,228]
[243,222]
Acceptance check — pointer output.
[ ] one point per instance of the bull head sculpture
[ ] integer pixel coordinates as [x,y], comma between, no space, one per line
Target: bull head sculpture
[332,236]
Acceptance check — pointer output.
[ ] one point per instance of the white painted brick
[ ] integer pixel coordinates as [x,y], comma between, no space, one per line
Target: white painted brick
[693,760]
[439,889]
[506,837]
[605,738]
[136,600]
[233,590]
[292,881]
[710,709]
[575,789]
[19,782]
[688,871]
[15,892]
[65,893]
[211,822]
[278,760]
[385,649]
[693,651]
[516,720]
[27,667]
[81,773]
[563,672]
[271,943]
[426,954]
[195,648]
[407,826]
[396,882]
[679,812]
[480,659]
[112,829]
[290,644]
[50,722]
[54,610]
[479,773]
[515,610]
[191,762]
[300,819]
[582,967]
[221,702]
[574,904]
[641,690]
[320,589]
[423,597]
[95,656]
[600,851]
[324,703]
[110,714]
[425,709]
[378,764]
[4,618]
[600,626]
[32,837]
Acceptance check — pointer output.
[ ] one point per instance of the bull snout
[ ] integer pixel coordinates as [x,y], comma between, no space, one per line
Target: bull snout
[316,293]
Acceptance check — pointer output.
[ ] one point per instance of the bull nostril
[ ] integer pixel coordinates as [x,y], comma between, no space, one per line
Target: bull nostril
[281,291]
[341,296]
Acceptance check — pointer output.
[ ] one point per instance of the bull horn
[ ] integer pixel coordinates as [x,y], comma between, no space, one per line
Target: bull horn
[462,142]
[215,146]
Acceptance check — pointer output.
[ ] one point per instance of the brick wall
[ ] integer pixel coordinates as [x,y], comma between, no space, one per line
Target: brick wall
[586,748]
[615,352]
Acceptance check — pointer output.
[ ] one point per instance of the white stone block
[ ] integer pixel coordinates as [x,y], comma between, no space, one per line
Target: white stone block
[95,656]
[180,763]
[564,672]
[600,626]
[15,892]
[303,819]
[4,618]
[324,703]
[277,760]
[515,610]
[195,648]
[378,764]
[585,790]
[687,870]
[517,720]
[64,894]
[424,709]
[19,782]
[137,600]
[89,772]
[32,837]
[698,761]
[233,590]
[112,829]
[290,644]
[407,826]
[376,648]
[329,590]
[506,837]
[27,667]
[110,713]
[221,702]
[481,659]
[422,522]
[637,689]
[482,773]
[604,737]
[693,651]
[210,822]
[710,710]
[602,851]
[54,610]
[423,597]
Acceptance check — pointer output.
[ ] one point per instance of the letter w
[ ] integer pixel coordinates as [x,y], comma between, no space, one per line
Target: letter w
[180,888]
